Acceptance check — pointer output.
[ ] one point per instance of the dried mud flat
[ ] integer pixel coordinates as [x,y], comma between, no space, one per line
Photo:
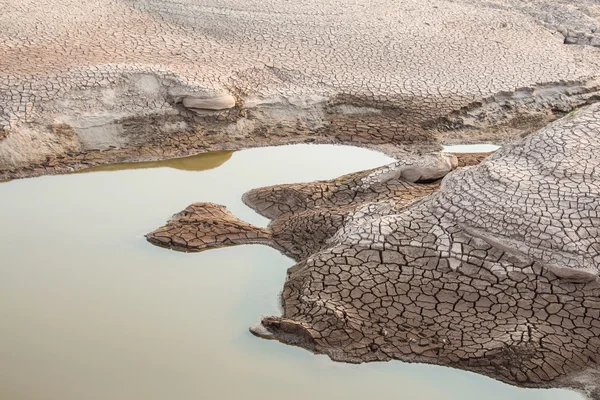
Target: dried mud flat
[493,269]
[126,80]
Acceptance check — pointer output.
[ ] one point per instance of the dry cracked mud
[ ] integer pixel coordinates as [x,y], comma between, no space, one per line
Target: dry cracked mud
[493,270]
[100,81]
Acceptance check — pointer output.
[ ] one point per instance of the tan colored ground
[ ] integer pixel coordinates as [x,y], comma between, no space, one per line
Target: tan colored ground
[102,81]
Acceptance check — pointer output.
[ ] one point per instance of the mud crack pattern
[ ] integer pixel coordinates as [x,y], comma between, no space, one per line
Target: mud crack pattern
[495,272]
[133,80]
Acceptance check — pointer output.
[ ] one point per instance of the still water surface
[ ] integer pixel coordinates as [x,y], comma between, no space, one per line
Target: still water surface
[90,311]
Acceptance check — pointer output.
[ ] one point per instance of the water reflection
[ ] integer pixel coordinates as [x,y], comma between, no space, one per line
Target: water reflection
[199,162]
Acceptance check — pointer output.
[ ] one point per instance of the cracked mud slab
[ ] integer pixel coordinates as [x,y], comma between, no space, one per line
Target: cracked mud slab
[496,272]
[206,225]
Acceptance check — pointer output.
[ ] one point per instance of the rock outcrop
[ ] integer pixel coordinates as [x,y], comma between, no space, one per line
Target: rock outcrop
[496,272]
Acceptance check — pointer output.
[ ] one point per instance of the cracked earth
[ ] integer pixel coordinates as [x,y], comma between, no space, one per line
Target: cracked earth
[493,269]
[126,80]
[490,266]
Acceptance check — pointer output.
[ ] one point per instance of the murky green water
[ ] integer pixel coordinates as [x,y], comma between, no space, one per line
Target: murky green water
[90,311]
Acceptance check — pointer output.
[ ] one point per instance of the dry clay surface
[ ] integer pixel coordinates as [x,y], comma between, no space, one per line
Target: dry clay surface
[100,81]
[495,272]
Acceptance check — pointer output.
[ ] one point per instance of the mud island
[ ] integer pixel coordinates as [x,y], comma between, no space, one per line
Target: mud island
[489,266]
